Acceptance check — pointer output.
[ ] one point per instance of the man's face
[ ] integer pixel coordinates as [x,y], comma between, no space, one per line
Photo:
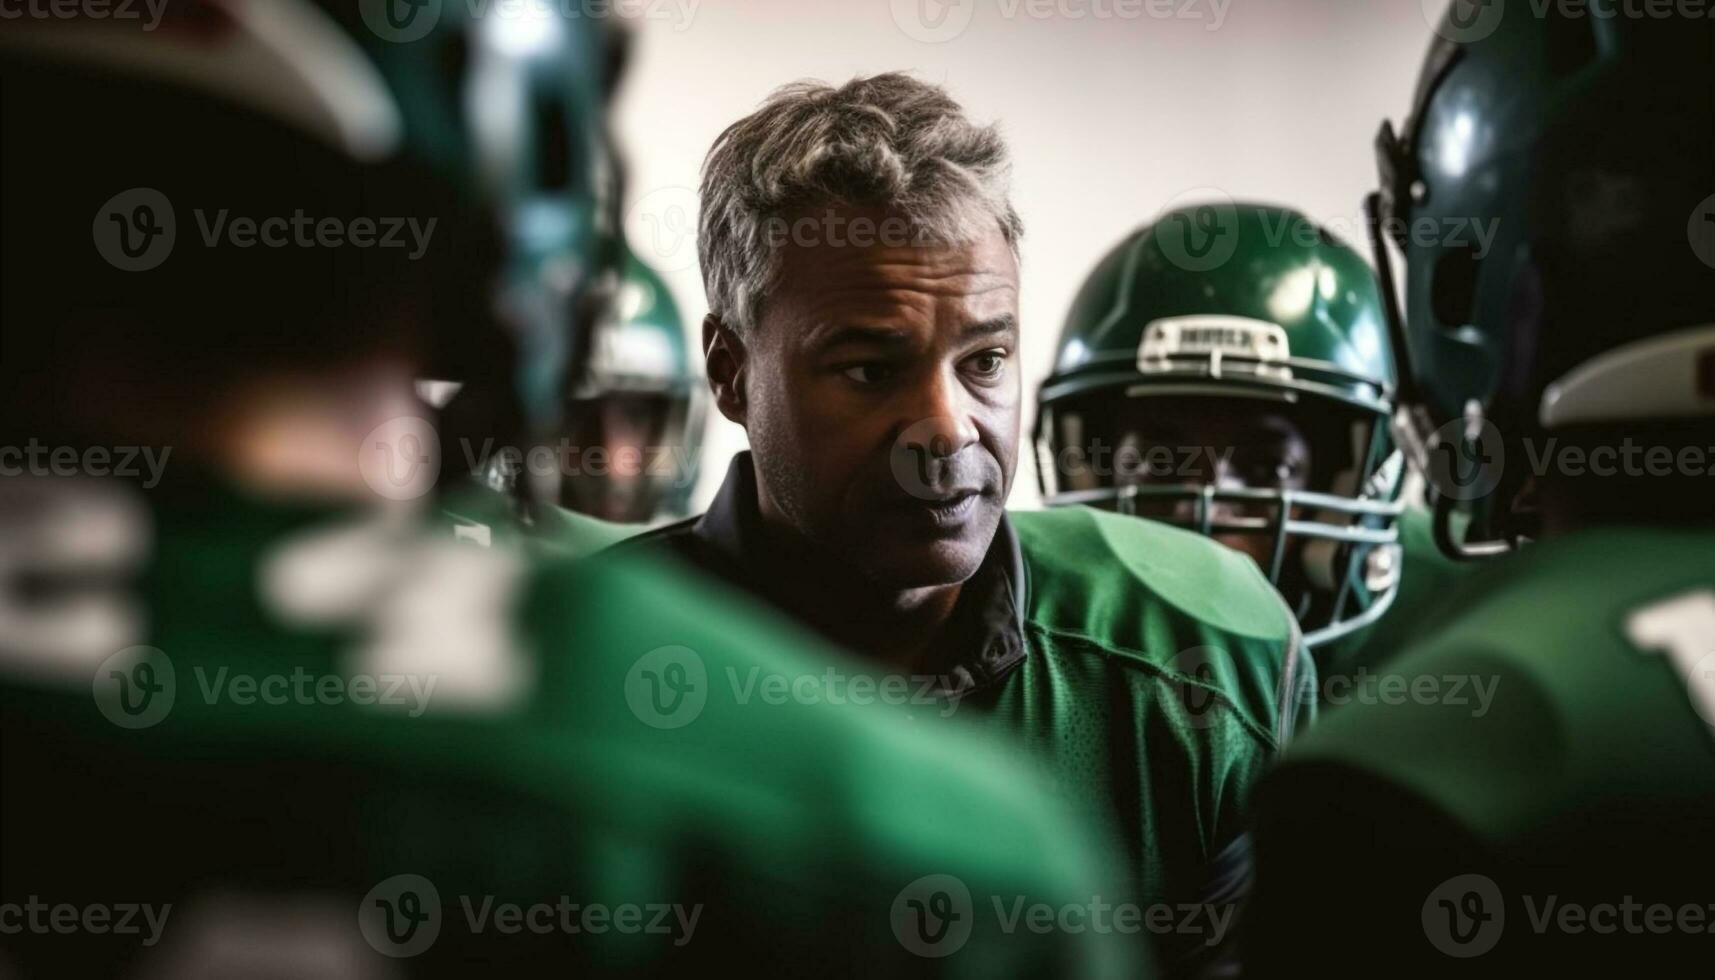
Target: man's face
[882,401]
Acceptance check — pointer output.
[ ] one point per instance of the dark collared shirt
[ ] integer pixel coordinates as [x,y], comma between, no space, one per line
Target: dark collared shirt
[984,638]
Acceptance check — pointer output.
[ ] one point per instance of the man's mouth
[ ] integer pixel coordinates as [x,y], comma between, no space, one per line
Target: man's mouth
[948,511]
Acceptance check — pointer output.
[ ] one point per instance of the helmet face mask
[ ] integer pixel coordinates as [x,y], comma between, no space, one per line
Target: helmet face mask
[640,401]
[1250,403]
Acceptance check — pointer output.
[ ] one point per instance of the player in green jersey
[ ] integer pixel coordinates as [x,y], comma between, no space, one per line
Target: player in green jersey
[1568,378]
[1227,368]
[256,725]
[860,258]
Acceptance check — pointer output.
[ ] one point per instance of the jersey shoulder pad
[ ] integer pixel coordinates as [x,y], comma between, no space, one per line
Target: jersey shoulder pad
[1093,571]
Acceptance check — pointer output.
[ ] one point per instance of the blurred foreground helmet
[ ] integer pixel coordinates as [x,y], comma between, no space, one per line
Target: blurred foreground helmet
[1553,194]
[1245,394]
[641,404]
[500,114]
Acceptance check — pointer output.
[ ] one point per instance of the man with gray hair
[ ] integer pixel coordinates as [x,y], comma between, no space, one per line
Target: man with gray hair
[861,259]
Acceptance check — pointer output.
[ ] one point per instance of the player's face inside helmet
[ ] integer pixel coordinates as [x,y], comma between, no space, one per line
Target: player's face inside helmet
[882,400]
[1260,475]
[637,435]
[1227,445]
[1223,443]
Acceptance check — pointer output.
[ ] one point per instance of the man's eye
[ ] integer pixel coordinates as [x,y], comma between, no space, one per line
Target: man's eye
[868,374]
[989,363]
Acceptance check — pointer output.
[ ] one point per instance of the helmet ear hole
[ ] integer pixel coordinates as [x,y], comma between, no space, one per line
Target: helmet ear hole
[1453,289]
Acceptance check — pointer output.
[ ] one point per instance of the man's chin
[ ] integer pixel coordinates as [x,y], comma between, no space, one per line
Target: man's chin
[925,564]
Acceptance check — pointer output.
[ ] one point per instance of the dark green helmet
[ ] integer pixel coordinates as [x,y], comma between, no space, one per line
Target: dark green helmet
[640,389]
[514,96]
[1258,309]
[1551,192]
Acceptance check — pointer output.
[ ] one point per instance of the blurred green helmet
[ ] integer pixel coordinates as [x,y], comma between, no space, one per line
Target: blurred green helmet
[515,94]
[640,390]
[1238,311]
[1553,194]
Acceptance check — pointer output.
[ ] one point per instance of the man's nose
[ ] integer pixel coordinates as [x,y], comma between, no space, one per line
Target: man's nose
[940,423]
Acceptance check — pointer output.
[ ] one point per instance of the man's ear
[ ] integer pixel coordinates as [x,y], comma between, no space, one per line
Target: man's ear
[724,359]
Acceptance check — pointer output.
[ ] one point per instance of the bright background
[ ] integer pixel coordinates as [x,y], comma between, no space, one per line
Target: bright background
[1112,116]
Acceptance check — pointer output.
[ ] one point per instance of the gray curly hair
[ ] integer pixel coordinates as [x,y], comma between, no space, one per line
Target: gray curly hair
[889,141]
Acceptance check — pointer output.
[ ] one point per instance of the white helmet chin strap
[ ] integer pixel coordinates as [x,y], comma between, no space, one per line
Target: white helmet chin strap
[1671,376]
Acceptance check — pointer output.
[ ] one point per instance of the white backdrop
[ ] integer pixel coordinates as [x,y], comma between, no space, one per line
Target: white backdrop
[1113,108]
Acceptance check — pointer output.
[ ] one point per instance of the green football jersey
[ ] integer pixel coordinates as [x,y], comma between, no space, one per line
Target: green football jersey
[350,747]
[1537,790]
[1427,578]
[1152,672]
[1164,675]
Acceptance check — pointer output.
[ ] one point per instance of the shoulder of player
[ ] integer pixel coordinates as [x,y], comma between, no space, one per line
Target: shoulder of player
[1092,572]
[637,615]
[1164,606]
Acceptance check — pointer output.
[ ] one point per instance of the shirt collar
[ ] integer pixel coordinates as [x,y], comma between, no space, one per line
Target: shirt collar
[987,624]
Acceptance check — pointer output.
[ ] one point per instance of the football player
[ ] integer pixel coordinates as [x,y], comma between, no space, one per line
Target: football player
[254,726]
[860,257]
[1246,393]
[1567,378]
[639,403]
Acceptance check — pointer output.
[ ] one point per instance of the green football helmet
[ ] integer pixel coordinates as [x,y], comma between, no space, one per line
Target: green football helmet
[515,97]
[639,390]
[1255,315]
[1582,145]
